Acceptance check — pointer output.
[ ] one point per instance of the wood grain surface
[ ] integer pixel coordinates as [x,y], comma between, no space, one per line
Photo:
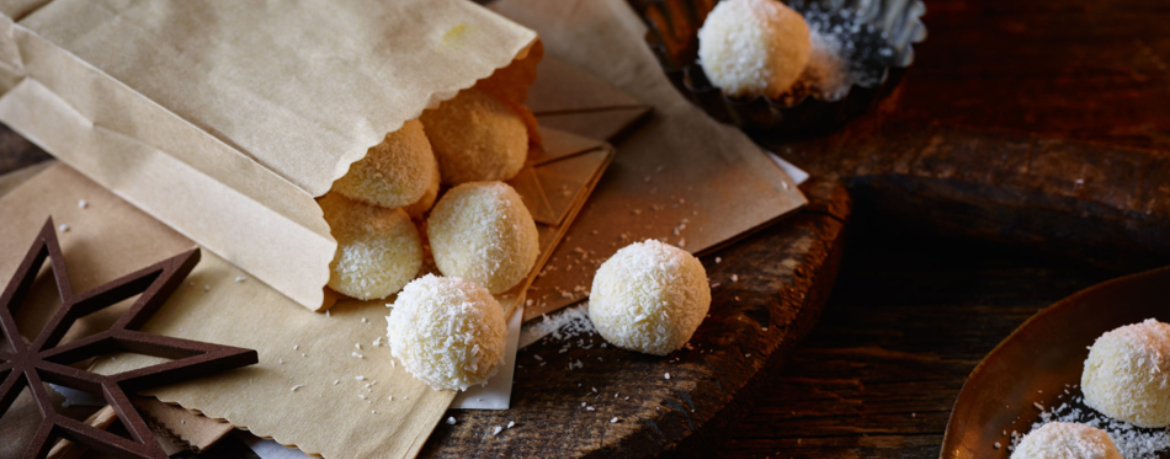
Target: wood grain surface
[767,294]
[1035,123]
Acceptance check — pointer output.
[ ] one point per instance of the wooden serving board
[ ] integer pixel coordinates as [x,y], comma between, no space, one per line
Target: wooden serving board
[784,272]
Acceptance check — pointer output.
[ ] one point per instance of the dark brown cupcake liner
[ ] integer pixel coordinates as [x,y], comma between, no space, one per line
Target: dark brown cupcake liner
[882,50]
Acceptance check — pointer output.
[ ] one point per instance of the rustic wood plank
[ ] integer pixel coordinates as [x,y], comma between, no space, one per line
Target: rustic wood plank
[784,275]
[1028,122]
[908,320]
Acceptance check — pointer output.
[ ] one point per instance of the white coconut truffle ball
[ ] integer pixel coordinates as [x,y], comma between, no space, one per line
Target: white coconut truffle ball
[1062,440]
[649,297]
[482,232]
[751,48]
[424,204]
[394,173]
[378,249]
[447,332]
[1127,374]
[476,137]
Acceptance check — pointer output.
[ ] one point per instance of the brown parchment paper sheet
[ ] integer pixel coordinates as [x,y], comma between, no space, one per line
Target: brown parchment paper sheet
[223,119]
[111,238]
[682,177]
[349,419]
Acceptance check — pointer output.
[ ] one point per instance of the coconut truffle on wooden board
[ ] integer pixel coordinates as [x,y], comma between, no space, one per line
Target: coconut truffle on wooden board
[649,297]
[751,48]
[419,208]
[394,173]
[476,137]
[1062,440]
[1127,374]
[378,249]
[482,232]
[447,332]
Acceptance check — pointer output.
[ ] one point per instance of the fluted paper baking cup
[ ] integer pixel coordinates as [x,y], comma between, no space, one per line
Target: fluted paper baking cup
[874,40]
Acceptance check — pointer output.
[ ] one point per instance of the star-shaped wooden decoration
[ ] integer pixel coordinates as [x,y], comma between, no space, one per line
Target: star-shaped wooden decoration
[43,361]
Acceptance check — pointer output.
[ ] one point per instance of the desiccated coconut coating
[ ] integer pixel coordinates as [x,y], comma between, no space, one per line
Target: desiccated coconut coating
[420,207]
[394,173]
[1127,374]
[476,138]
[752,48]
[482,232]
[649,297]
[378,249]
[1062,440]
[447,332]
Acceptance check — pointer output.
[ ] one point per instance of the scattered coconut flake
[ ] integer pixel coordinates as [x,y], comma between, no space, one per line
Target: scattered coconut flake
[614,420]
[298,386]
[241,278]
[589,408]
[63,228]
[360,378]
[1133,442]
[82,204]
[296,346]
[667,376]
[355,354]
[496,430]
[451,420]
[510,424]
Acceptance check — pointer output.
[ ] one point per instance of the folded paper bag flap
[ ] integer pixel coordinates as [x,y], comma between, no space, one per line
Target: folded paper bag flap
[224,119]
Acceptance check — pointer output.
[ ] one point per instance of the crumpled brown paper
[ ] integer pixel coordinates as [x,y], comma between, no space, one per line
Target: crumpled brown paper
[220,303]
[223,119]
[681,177]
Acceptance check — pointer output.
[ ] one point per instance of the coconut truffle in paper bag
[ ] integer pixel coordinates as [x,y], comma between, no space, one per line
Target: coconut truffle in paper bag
[226,120]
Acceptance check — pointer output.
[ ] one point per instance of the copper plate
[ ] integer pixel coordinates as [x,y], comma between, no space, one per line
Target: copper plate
[1045,353]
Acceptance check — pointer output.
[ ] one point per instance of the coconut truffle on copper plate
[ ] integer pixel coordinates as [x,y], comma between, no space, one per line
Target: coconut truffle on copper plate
[419,208]
[1127,374]
[751,48]
[482,232]
[1062,440]
[447,332]
[649,297]
[476,137]
[394,173]
[378,249]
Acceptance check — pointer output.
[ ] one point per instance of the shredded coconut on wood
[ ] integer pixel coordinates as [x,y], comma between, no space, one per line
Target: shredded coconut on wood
[649,297]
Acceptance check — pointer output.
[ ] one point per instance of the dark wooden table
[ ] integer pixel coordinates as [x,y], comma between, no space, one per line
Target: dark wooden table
[1024,157]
